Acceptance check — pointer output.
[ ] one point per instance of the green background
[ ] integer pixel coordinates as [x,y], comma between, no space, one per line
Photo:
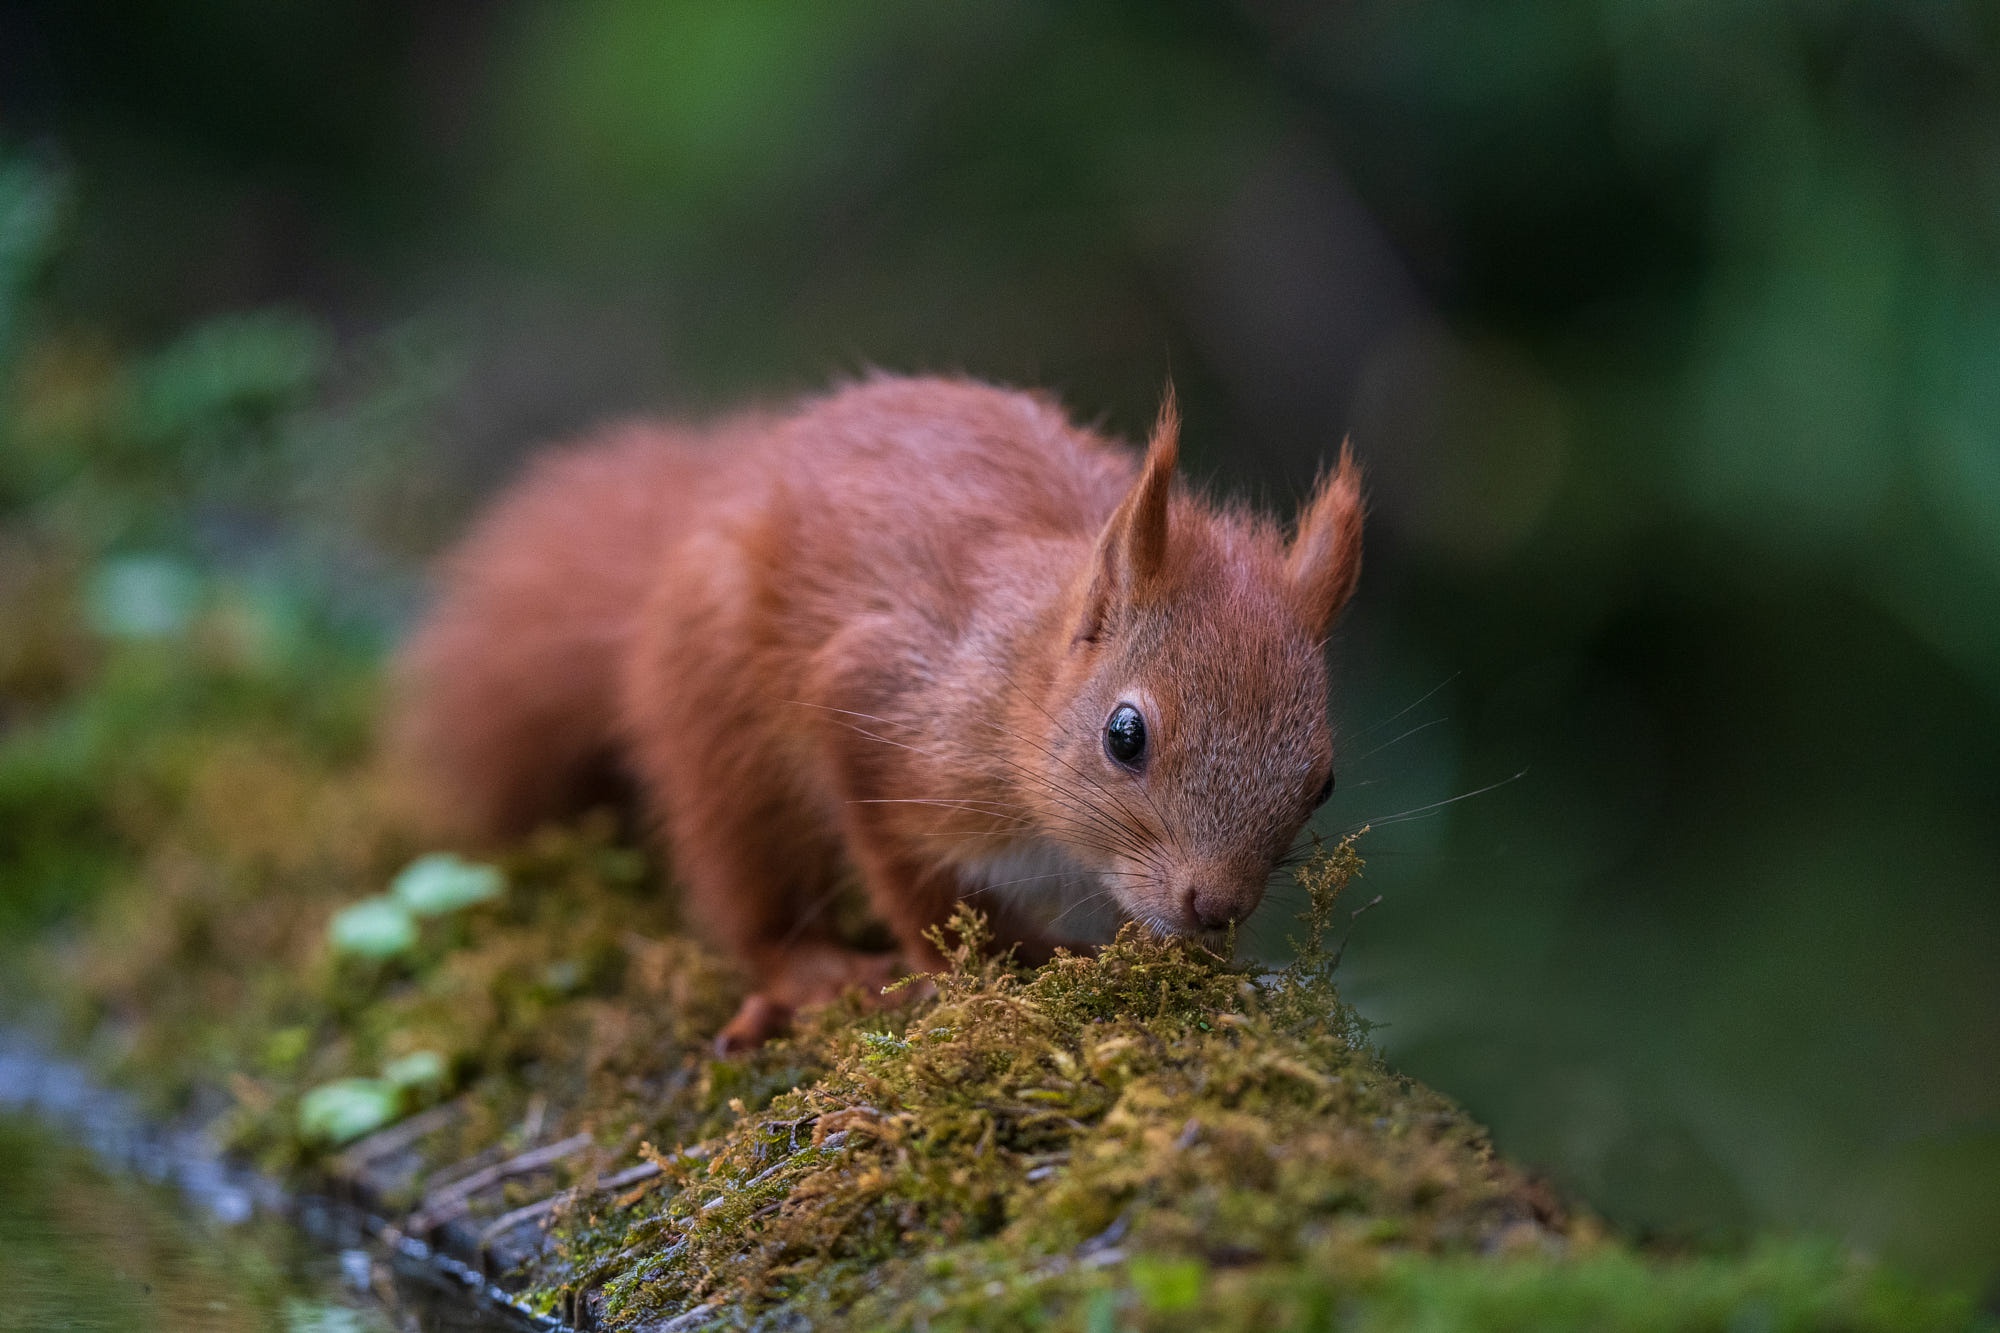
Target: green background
[1668,332]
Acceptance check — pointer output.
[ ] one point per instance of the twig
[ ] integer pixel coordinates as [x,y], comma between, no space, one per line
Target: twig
[506,1222]
[537,1115]
[449,1202]
[684,1322]
[1352,918]
[438,1184]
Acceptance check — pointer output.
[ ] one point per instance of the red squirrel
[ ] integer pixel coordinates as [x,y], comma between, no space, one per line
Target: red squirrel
[926,632]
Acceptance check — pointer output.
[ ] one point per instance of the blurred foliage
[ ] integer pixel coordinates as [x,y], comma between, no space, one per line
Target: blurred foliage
[1667,333]
[171,557]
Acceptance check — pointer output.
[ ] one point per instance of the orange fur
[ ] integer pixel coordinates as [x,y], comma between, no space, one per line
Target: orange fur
[882,636]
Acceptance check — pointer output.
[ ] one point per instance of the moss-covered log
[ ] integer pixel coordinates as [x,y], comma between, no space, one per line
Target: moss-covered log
[516,1070]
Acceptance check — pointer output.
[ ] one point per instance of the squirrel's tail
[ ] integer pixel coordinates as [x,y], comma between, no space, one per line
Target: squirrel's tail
[506,698]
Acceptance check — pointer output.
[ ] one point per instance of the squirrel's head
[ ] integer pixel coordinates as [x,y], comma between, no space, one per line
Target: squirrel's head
[1188,739]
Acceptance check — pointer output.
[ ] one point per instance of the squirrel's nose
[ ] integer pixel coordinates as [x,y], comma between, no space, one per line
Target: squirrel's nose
[1212,909]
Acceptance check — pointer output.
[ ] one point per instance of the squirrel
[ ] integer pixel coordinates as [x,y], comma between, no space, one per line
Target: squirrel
[925,632]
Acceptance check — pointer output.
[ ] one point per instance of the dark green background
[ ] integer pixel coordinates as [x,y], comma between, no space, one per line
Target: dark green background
[1669,332]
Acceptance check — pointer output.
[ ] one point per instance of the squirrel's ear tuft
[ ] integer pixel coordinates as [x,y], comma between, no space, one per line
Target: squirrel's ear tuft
[1131,554]
[1325,559]
[1145,537]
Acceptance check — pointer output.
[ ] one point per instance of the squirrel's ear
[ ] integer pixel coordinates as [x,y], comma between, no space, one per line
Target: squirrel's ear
[1325,559]
[1131,552]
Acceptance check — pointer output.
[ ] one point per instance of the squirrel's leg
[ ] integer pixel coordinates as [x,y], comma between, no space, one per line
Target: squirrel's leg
[772,911]
[911,899]
[851,676]
[798,975]
[762,885]
[759,868]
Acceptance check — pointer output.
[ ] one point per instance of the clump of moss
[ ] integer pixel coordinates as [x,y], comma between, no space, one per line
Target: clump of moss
[1147,1137]
[1151,1136]
[1152,1099]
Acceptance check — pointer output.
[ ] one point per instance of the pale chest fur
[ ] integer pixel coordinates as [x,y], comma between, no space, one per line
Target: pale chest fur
[1034,880]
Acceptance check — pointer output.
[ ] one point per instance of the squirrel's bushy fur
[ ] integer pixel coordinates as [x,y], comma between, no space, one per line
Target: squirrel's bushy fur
[882,636]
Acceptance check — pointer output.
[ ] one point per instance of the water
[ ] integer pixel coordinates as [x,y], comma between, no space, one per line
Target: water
[83,1249]
[107,1224]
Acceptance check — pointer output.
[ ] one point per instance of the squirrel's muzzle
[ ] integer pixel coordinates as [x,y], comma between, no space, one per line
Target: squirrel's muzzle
[1213,901]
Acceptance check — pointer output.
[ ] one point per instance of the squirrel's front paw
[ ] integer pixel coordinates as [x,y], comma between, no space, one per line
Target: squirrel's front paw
[758,1019]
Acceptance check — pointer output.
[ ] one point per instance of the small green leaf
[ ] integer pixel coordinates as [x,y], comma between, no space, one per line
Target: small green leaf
[378,927]
[143,597]
[1101,1316]
[347,1108]
[443,882]
[414,1070]
[882,1046]
[303,1316]
[1167,1285]
[286,1047]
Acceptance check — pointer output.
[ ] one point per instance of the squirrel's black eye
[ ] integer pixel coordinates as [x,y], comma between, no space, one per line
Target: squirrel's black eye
[1325,790]
[1125,735]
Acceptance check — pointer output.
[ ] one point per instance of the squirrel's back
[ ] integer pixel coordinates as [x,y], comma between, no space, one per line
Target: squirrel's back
[505,696]
[871,498]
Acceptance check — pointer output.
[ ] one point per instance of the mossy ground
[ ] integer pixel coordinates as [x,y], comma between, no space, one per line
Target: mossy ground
[1151,1137]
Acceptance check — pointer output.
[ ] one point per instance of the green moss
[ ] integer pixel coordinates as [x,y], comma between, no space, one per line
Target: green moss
[1151,1137]
[1151,1099]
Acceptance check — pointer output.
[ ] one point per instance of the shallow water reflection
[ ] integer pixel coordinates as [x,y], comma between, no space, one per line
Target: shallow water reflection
[82,1248]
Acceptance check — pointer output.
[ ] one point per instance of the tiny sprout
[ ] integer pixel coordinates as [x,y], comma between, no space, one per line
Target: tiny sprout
[444,882]
[347,1108]
[378,927]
